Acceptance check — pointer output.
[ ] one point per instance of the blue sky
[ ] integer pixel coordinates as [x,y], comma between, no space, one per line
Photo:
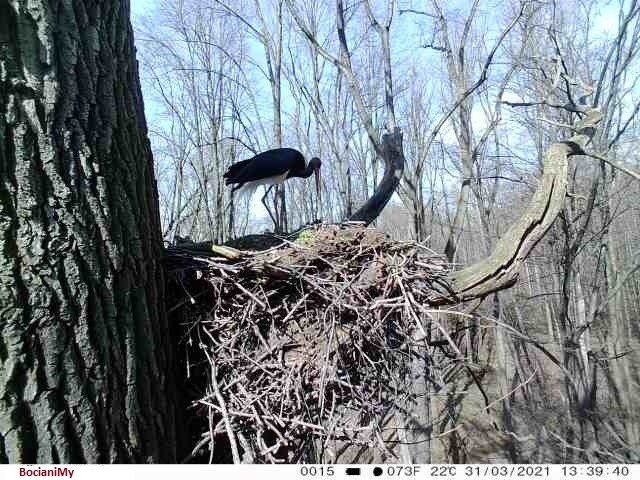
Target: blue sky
[139,7]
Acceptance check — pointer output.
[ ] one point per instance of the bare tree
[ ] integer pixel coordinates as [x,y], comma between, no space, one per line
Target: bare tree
[390,148]
[542,119]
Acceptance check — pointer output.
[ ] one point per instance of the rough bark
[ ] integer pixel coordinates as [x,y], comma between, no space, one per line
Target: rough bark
[84,354]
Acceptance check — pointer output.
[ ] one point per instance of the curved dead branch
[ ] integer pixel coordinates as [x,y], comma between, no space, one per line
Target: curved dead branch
[501,269]
[393,157]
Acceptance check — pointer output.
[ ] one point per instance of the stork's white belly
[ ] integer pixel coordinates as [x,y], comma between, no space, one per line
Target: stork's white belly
[274,180]
[249,188]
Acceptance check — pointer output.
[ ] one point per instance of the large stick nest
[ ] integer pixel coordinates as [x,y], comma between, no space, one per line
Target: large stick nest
[306,349]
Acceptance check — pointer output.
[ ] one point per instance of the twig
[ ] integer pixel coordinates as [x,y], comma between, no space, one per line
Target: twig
[223,410]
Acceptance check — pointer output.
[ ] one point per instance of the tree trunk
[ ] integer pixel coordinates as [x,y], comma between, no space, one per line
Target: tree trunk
[84,355]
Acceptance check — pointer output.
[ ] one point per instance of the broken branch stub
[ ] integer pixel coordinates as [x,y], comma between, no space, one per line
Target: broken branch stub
[393,157]
[501,269]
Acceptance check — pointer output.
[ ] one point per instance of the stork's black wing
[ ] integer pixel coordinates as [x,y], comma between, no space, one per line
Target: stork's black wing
[264,165]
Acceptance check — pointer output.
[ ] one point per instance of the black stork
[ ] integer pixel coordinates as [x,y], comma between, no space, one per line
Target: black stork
[271,168]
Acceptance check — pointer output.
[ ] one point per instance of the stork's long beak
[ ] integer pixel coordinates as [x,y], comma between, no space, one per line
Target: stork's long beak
[318,192]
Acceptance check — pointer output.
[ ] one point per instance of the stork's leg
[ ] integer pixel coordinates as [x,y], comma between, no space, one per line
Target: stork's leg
[281,208]
[233,191]
[264,202]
